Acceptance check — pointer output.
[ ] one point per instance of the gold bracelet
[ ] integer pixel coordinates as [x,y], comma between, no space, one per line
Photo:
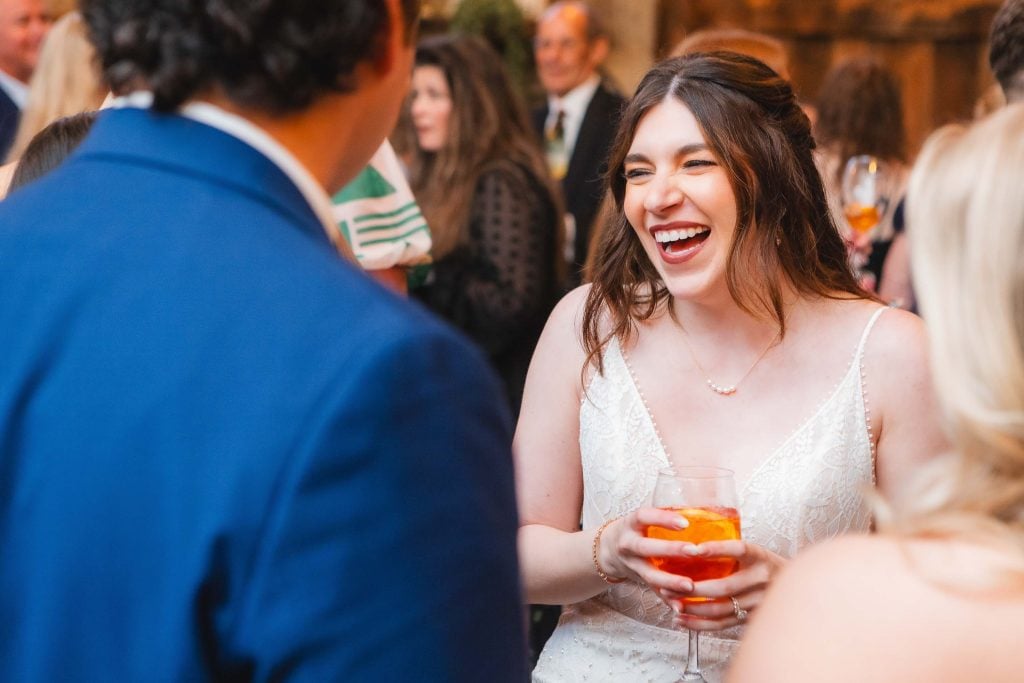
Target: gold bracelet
[593,553]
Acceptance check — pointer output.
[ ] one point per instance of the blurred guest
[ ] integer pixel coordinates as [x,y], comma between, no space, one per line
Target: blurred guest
[991,99]
[59,8]
[757,45]
[50,147]
[939,597]
[226,453]
[860,111]
[6,171]
[1006,49]
[578,121]
[480,179]
[23,25]
[66,80]
[1006,58]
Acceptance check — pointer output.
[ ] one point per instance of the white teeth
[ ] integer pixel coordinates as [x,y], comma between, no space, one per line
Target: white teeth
[664,236]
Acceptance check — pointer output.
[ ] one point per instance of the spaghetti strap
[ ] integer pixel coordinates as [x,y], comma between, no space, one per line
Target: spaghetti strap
[867,330]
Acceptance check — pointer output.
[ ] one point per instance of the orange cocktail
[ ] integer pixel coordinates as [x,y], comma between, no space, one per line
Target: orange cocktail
[861,217]
[706,524]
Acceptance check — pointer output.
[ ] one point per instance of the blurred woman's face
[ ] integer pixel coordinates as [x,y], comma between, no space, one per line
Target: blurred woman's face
[431,107]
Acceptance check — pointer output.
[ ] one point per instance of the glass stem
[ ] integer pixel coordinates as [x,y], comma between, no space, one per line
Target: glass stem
[692,672]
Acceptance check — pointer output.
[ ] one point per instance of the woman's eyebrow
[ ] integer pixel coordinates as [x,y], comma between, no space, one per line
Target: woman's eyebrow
[685,150]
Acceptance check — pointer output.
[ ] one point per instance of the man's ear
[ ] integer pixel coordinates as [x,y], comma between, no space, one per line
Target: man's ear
[394,41]
[599,51]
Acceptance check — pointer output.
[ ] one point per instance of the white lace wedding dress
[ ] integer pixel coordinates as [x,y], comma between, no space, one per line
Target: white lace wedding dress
[808,490]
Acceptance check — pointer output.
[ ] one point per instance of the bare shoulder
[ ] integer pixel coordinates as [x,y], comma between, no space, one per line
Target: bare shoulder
[899,392]
[568,312]
[562,338]
[822,601]
[807,603]
[880,608]
[853,561]
[546,443]
[896,358]
[898,337]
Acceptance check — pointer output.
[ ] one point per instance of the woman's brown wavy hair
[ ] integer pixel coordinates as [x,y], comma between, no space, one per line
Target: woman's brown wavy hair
[784,233]
[488,126]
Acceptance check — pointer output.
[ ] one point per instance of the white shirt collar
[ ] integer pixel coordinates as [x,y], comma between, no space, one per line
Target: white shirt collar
[254,136]
[15,89]
[574,103]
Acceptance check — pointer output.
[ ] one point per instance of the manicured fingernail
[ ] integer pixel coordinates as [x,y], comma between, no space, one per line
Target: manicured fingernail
[682,522]
[693,550]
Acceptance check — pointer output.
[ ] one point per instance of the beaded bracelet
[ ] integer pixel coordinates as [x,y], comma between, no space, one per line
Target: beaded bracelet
[593,553]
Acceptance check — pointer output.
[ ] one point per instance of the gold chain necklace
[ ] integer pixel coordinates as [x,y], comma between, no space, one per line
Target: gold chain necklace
[718,388]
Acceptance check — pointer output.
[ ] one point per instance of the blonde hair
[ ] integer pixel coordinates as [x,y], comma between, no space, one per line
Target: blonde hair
[66,81]
[966,226]
[757,45]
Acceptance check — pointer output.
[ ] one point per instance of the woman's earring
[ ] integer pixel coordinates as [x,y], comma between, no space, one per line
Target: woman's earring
[778,241]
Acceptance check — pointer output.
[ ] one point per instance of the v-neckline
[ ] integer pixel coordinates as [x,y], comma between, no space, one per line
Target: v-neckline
[652,424]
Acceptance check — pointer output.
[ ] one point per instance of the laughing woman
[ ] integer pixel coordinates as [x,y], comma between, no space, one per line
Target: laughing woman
[723,328]
[481,180]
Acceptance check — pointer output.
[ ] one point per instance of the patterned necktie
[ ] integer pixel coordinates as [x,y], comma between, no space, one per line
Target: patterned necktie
[554,147]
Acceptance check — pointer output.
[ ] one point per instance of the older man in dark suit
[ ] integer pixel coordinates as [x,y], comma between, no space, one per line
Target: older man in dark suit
[226,454]
[23,25]
[579,119]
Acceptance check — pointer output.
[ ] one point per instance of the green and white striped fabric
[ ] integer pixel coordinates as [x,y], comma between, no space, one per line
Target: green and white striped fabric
[378,216]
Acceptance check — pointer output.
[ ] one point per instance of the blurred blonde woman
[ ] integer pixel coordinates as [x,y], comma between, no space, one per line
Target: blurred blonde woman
[940,595]
[66,81]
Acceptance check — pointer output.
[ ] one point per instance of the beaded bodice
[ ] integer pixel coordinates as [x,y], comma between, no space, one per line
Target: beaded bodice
[808,489]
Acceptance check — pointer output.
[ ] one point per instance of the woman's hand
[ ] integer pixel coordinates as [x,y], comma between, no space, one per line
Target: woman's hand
[746,586]
[625,551]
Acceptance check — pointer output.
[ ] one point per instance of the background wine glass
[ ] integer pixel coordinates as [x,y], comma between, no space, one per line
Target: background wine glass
[867,188]
[706,497]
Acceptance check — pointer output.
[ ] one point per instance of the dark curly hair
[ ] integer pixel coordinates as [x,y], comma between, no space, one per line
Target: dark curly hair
[274,55]
[1006,49]
[784,231]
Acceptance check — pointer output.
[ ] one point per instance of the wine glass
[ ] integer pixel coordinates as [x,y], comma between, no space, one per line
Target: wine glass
[867,188]
[706,497]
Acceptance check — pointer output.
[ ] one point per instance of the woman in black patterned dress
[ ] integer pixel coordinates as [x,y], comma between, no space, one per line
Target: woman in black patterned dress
[482,182]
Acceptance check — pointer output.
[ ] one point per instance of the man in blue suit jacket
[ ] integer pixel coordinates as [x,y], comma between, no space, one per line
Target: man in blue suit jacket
[225,453]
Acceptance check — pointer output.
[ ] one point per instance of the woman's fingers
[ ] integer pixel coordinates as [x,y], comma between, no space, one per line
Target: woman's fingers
[737,549]
[695,623]
[714,615]
[645,517]
[666,584]
[723,608]
[743,581]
